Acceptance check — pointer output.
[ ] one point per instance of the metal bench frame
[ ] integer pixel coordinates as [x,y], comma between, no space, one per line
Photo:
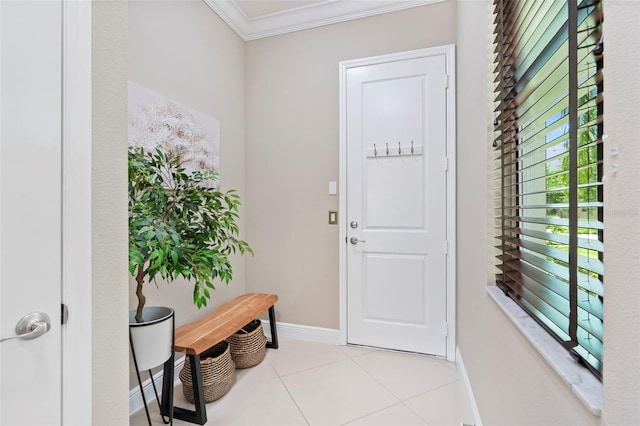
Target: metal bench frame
[199,415]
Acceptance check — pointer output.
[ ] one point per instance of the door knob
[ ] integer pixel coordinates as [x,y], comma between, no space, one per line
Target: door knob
[31,326]
[355,240]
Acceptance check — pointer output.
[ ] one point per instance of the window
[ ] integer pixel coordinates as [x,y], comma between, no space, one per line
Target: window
[548,145]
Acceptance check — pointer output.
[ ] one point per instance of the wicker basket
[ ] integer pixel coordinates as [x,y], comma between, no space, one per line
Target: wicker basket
[248,345]
[217,370]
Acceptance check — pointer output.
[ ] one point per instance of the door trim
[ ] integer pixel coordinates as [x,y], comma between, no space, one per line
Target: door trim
[76,211]
[449,52]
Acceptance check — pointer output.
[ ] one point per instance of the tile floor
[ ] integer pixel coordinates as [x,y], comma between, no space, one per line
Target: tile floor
[304,383]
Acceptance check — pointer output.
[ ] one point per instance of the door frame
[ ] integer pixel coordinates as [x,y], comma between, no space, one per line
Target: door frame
[449,52]
[76,212]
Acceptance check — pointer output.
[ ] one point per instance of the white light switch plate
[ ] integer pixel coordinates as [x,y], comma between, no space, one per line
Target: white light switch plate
[333,188]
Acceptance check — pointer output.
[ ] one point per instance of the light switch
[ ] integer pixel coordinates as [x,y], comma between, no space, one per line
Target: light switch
[333,217]
[333,188]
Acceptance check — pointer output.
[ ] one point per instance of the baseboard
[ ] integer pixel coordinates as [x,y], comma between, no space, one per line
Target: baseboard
[135,396]
[304,332]
[477,421]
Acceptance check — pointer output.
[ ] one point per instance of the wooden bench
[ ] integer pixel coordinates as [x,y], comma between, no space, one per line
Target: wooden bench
[198,336]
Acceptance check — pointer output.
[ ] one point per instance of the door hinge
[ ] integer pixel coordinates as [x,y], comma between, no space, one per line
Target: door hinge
[446,164]
[446,247]
[446,81]
[65,314]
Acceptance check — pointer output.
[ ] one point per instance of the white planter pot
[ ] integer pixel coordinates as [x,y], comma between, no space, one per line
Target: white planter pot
[152,339]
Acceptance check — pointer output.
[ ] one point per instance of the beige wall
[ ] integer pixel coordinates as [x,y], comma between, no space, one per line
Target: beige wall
[183,50]
[110,345]
[622,214]
[512,384]
[292,151]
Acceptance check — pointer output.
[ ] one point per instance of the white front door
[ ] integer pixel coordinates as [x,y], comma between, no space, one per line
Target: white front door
[396,149]
[30,208]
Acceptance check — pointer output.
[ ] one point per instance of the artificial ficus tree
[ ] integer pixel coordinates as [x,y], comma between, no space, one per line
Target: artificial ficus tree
[179,225]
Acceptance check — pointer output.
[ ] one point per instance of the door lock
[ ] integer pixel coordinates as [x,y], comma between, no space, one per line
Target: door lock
[353,224]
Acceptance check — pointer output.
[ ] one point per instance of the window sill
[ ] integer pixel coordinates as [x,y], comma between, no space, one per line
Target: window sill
[580,380]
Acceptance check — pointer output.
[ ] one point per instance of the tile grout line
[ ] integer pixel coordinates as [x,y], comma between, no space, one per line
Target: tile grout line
[311,368]
[403,402]
[424,393]
[400,401]
[289,393]
[378,411]
[417,395]
[434,389]
[348,358]
[378,382]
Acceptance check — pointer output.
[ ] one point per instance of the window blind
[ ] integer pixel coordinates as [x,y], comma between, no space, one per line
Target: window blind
[549,145]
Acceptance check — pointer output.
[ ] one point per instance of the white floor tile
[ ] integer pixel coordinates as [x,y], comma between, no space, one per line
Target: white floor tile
[398,415]
[337,393]
[257,373]
[353,351]
[294,356]
[445,406]
[406,375]
[264,402]
[304,383]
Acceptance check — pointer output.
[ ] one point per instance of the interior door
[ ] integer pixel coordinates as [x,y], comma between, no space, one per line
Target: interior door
[30,209]
[396,205]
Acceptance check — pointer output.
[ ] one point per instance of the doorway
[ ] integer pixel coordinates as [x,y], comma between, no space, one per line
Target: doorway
[397,195]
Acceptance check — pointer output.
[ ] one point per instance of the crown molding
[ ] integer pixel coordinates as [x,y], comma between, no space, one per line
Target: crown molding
[306,17]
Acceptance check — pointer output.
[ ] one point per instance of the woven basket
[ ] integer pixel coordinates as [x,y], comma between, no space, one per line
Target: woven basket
[248,345]
[217,370]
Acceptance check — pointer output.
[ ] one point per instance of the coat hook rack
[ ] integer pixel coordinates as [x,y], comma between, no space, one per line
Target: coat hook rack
[410,149]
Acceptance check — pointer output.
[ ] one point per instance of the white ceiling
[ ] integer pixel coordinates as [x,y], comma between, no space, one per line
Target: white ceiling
[254,19]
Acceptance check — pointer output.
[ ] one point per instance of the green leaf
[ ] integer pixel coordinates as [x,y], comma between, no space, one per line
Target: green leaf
[177,226]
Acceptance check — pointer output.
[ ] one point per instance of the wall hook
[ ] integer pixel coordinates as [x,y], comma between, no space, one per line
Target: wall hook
[375,150]
[387,149]
[399,149]
[411,147]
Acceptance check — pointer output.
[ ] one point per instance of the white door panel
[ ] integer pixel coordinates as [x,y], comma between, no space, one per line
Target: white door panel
[382,302]
[30,208]
[396,192]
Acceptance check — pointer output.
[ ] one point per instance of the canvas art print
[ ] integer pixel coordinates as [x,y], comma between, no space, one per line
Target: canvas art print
[157,122]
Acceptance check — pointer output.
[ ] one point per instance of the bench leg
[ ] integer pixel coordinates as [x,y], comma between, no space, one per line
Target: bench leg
[199,416]
[273,344]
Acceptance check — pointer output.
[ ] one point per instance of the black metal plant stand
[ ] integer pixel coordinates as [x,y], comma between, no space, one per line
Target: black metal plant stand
[166,409]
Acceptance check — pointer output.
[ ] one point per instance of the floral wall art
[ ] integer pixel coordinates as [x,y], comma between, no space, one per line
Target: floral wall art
[158,122]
